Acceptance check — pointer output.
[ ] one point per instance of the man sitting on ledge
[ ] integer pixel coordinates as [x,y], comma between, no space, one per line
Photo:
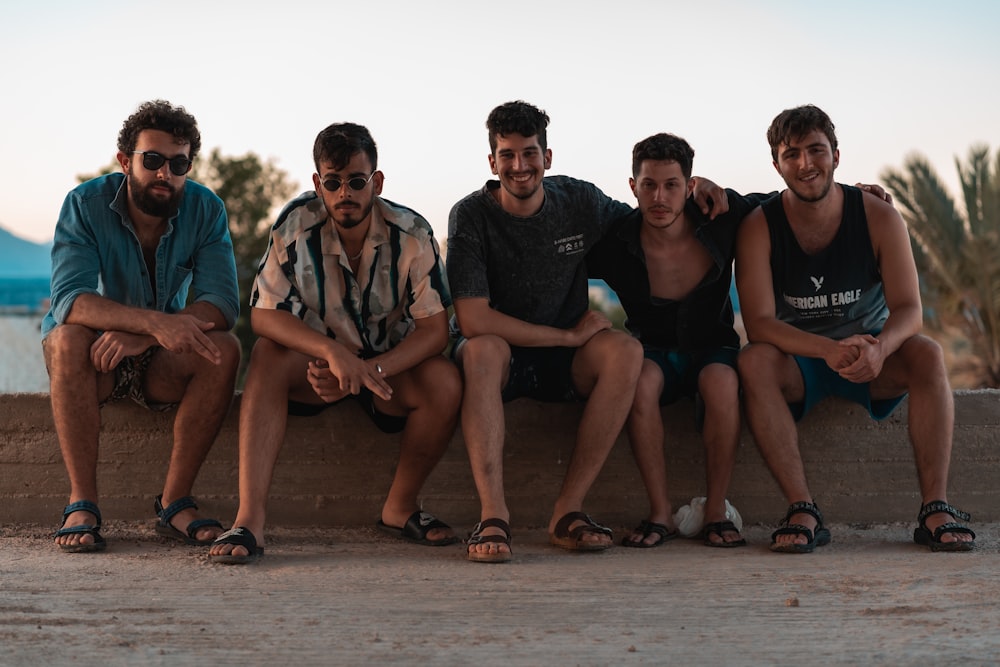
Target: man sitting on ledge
[128,249]
[830,300]
[349,302]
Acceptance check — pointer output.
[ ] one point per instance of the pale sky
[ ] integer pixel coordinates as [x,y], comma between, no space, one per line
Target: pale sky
[268,76]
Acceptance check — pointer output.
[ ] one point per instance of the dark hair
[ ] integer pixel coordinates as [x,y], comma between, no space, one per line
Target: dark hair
[663,146]
[520,117]
[160,115]
[792,124]
[339,142]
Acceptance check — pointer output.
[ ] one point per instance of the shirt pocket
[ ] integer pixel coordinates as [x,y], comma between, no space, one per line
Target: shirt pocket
[178,283]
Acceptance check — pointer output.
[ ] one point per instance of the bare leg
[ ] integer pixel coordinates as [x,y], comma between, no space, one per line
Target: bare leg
[275,375]
[205,394]
[770,380]
[645,432]
[606,370]
[718,385]
[485,363]
[76,389]
[431,394]
[918,367]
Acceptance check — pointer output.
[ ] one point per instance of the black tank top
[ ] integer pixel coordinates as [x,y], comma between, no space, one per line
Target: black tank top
[836,292]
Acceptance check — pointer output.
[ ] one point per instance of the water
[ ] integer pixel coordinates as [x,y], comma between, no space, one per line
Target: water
[24,294]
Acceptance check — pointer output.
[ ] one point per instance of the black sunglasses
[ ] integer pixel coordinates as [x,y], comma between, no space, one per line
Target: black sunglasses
[333,184]
[152,161]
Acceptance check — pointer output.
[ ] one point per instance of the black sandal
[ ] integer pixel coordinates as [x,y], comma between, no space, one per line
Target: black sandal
[647,528]
[718,528]
[922,534]
[239,536]
[815,538]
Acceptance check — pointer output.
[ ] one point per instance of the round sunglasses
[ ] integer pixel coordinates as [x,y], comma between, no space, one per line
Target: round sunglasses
[152,161]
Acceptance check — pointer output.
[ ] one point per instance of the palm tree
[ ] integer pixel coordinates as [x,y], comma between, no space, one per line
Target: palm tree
[957,252]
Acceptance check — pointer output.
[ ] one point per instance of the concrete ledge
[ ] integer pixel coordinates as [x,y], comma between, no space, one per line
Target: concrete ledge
[335,468]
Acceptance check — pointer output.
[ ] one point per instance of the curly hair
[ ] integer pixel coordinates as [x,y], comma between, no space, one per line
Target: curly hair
[663,146]
[792,124]
[338,142]
[520,117]
[160,115]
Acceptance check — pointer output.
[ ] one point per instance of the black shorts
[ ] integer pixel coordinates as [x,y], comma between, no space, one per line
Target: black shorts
[385,423]
[542,373]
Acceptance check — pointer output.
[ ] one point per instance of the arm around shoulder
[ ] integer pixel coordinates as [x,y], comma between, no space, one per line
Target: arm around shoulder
[891,243]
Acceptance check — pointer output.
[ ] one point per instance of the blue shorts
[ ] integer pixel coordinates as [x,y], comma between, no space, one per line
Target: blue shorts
[681,369]
[821,381]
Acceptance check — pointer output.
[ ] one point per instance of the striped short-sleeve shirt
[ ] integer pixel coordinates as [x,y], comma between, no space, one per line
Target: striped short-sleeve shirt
[400,278]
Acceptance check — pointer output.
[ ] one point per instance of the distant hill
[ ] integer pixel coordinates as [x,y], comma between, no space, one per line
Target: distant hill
[20,258]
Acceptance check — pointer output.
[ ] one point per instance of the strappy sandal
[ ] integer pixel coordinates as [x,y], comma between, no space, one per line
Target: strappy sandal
[166,529]
[922,534]
[477,537]
[815,538]
[718,528]
[647,528]
[573,540]
[82,506]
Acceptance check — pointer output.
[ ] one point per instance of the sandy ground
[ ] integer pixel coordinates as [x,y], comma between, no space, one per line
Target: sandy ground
[336,597]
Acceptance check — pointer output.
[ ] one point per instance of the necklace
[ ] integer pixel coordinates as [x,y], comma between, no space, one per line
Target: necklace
[355,258]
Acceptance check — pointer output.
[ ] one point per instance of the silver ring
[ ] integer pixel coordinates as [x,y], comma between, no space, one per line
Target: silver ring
[378,369]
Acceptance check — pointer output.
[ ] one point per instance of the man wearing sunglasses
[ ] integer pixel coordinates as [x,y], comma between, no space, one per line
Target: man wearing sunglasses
[349,303]
[130,249]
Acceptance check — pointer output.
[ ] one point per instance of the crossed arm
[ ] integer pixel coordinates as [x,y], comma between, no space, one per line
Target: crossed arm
[858,358]
[337,370]
[129,331]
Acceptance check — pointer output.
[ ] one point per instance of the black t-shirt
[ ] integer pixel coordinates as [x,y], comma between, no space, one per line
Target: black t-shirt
[530,268]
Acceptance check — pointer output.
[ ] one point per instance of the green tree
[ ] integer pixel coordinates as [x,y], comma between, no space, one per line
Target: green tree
[957,253]
[252,190]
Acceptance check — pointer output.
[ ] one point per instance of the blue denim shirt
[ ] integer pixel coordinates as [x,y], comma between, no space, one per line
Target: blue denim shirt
[96,251]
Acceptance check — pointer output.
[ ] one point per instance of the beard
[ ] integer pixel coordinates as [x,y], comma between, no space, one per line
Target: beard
[810,198]
[351,217]
[151,204]
[518,190]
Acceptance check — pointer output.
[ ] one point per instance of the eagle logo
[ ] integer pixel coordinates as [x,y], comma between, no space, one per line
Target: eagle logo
[817,282]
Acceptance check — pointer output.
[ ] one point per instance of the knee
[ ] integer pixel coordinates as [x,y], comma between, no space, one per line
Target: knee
[718,383]
[757,363]
[229,346]
[484,353]
[266,351]
[621,354]
[442,386]
[68,343]
[648,389]
[924,358]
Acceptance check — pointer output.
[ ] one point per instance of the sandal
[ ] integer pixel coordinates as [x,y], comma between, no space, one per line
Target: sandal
[571,539]
[240,537]
[922,534]
[166,529]
[718,528]
[82,506]
[815,538]
[647,528]
[477,537]
[416,528]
